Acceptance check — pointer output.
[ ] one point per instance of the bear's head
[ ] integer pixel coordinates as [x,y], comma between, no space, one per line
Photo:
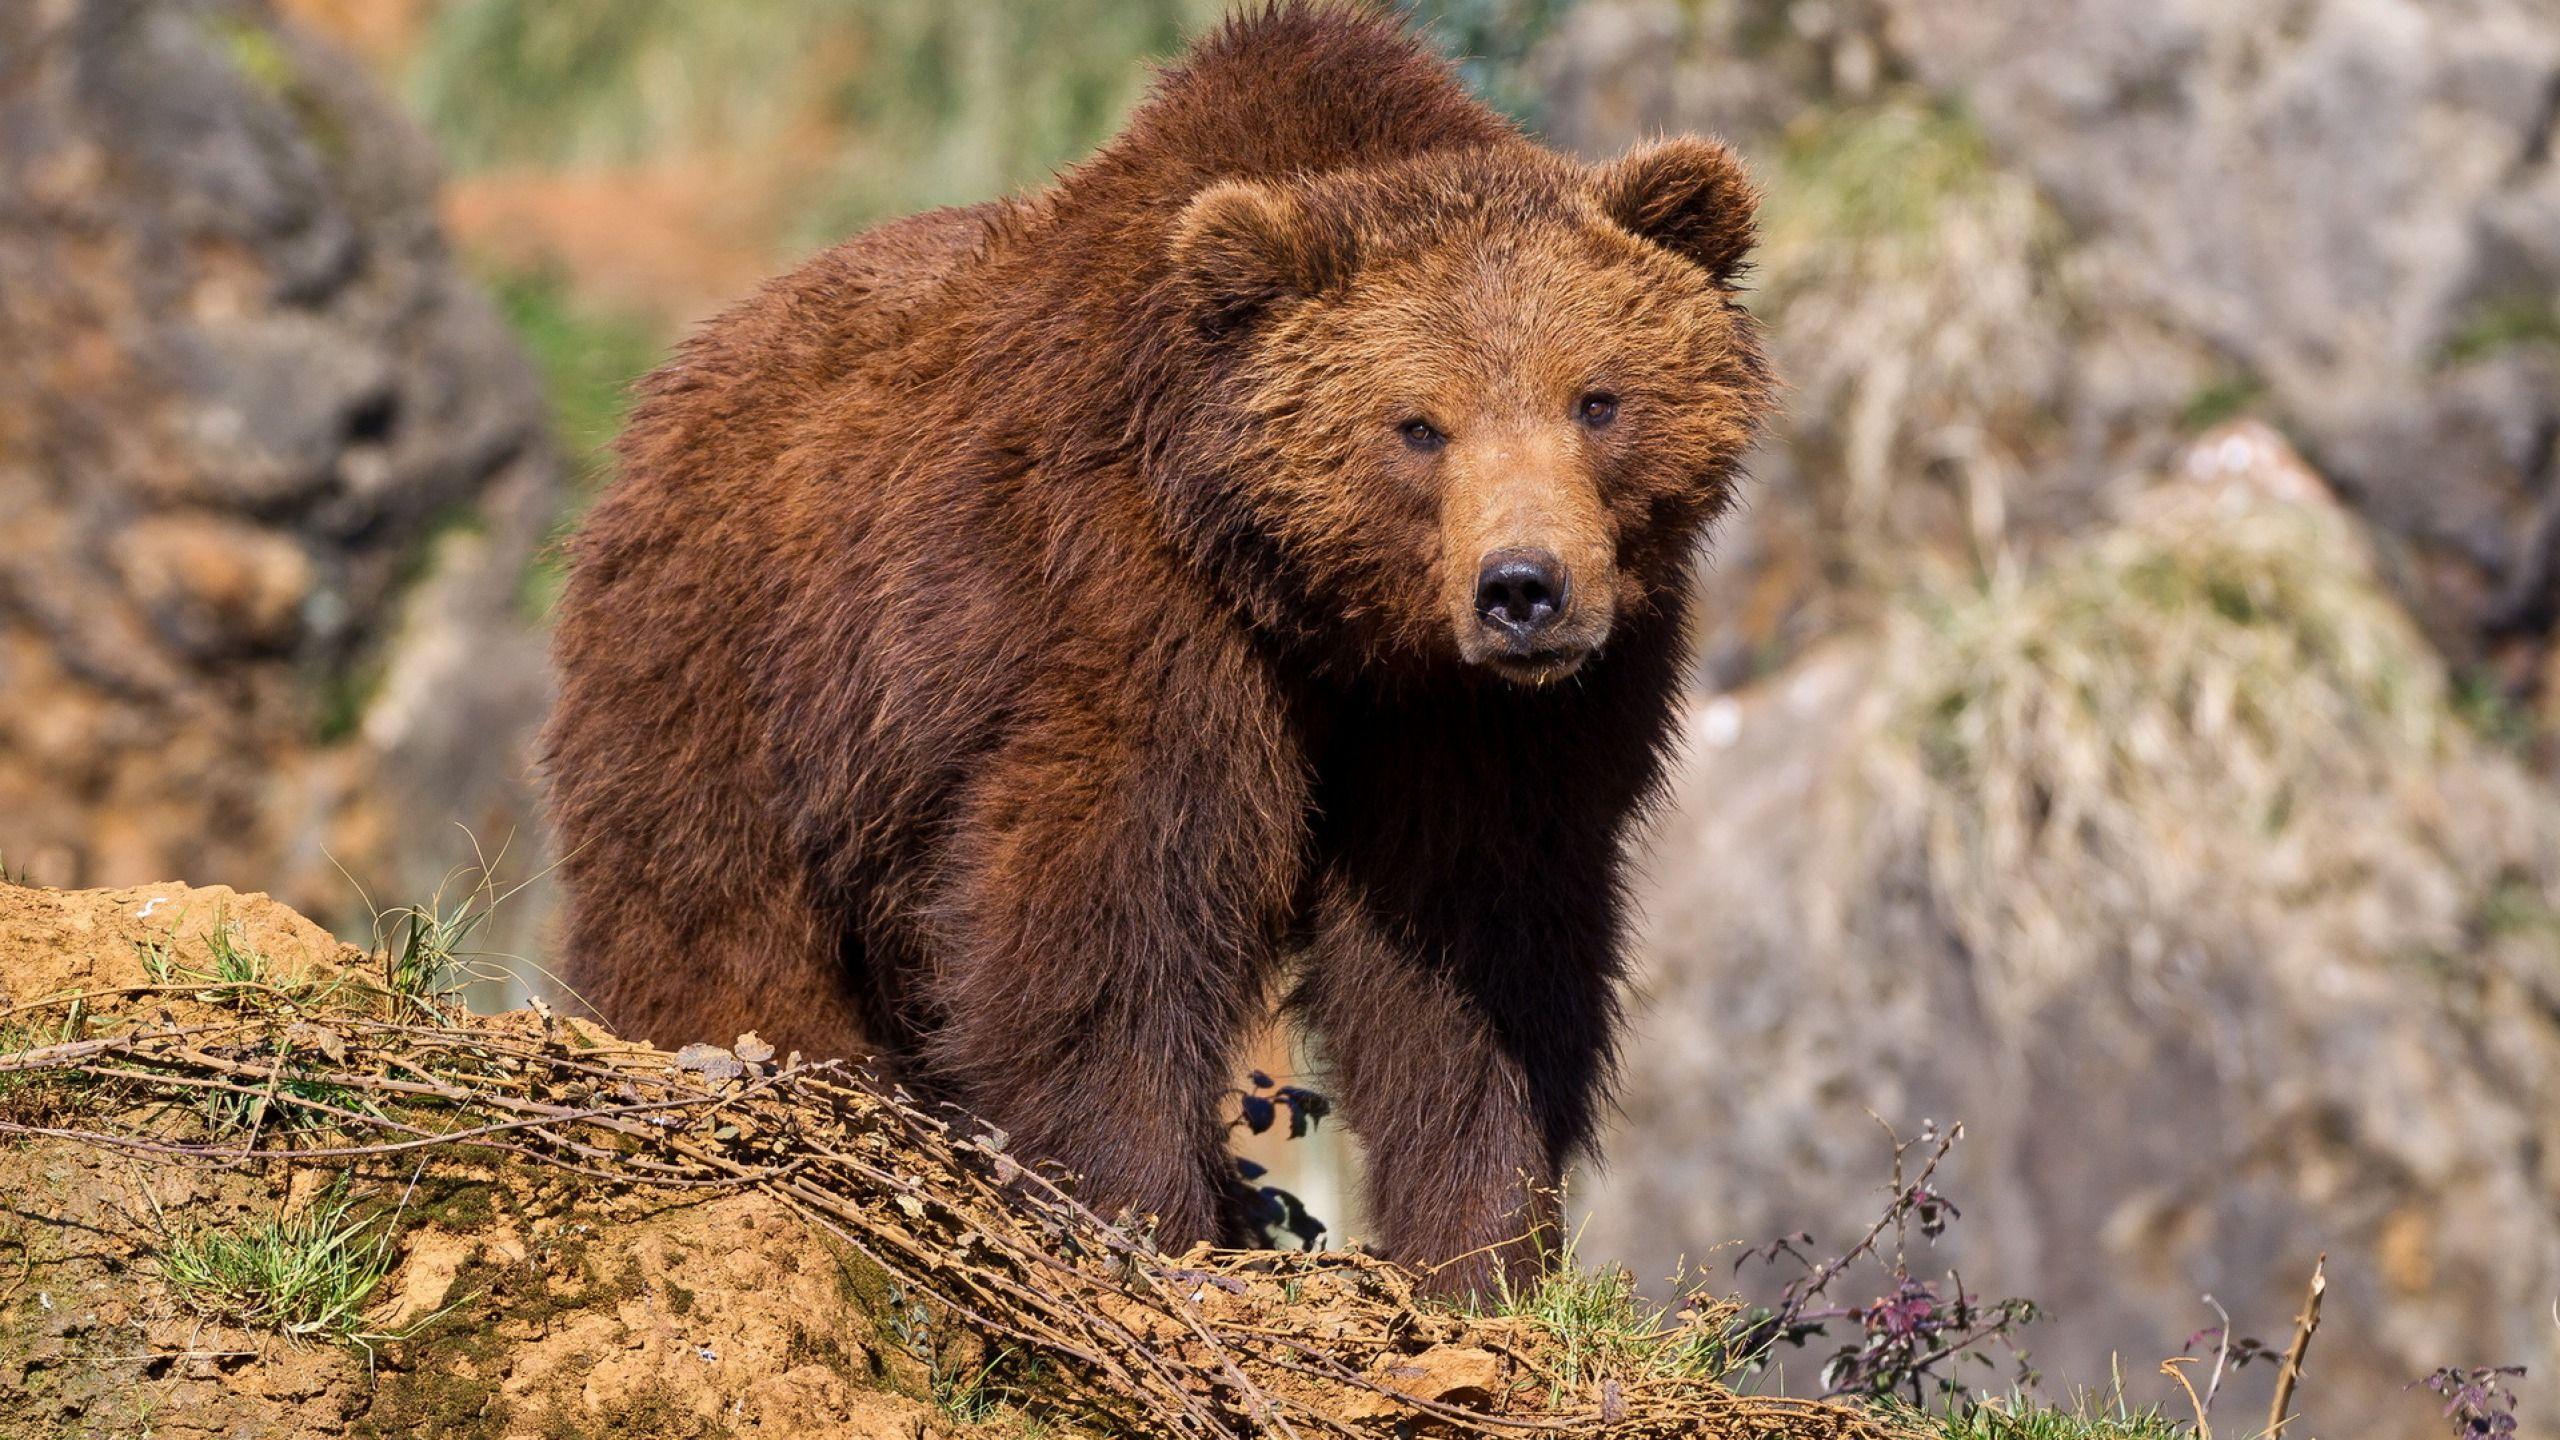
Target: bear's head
[1474,406]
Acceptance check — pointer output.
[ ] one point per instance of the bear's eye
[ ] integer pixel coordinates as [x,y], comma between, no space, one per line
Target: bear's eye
[1422,435]
[1596,409]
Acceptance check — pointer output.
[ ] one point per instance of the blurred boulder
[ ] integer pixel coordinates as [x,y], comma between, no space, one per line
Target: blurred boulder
[2019,249]
[2173,867]
[271,472]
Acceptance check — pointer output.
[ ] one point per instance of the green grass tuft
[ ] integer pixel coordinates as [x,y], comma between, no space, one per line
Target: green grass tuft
[2025,1420]
[1601,1327]
[425,965]
[232,972]
[307,1276]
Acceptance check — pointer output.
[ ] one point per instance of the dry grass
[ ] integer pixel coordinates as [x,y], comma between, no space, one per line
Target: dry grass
[2209,727]
[1910,285]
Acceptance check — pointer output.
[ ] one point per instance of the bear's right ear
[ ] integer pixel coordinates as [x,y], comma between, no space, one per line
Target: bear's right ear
[1239,247]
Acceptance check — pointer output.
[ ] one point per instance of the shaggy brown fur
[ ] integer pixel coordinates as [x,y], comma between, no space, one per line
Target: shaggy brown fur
[1024,637]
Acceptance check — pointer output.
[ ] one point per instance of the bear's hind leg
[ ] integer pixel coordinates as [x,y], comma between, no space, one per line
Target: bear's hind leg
[1104,935]
[674,965]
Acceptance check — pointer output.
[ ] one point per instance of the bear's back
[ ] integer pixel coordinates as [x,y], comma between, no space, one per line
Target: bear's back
[752,454]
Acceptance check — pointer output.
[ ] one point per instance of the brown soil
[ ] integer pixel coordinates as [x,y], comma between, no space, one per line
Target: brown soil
[533,1305]
[677,1246]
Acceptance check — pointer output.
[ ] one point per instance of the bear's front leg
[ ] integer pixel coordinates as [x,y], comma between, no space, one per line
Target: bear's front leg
[1103,939]
[1469,1035]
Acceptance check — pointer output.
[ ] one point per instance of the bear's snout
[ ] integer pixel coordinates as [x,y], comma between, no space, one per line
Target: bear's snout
[1529,565]
[1520,594]
[1524,622]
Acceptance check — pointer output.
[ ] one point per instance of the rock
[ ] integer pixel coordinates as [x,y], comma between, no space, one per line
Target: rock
[273,470]
[215,586]
[2339,215]
[2224,939]
[1458,1375]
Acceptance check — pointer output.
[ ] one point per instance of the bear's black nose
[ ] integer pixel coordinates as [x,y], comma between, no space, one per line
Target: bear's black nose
[1520,592]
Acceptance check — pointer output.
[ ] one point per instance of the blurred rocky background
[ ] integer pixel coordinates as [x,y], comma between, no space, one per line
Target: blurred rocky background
[2125,707]
[272,471]
[2129,691]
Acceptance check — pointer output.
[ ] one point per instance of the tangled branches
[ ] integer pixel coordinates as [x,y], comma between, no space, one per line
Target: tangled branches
[1203,1344]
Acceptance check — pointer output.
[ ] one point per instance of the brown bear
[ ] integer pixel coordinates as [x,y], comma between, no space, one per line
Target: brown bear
[1026,641]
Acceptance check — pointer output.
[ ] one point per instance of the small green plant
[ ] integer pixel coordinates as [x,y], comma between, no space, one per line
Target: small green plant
[307,1276]
[974,1395]
[2480,1400]
[1907,1343]
[235,960]
[971,1391]
[289,1101]
[422,949]
[37,1095]
[232,972]
[1602,1328]
[2020,1417]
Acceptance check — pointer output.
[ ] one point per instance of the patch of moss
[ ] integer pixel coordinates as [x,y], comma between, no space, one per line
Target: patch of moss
[2225,398]
[2504,325]
[258,56]
[445,1381]
[659,1412]
[456,1204]
[863,1286]
[1883,172]
[819,1345]
[446,1386]
[656,1411]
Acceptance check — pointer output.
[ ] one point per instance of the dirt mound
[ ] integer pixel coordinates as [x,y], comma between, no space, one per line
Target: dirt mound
[258,1182]
[514,1302]
[54,941]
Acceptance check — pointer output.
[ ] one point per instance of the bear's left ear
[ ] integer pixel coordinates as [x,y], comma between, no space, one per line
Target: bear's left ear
[1240,246]
[1690,196]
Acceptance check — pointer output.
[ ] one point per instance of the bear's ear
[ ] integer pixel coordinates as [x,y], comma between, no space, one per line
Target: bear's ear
[1690,196]
[1239,246]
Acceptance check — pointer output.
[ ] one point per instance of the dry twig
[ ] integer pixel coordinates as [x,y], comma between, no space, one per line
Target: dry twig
[2289,1373]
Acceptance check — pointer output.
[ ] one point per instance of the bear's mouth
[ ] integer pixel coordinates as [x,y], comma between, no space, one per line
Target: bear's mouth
[1537,667]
